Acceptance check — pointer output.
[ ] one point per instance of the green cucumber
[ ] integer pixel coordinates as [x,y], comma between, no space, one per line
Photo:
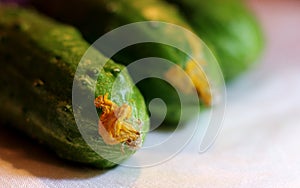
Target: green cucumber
[229,28]
[96,17]
[39,58]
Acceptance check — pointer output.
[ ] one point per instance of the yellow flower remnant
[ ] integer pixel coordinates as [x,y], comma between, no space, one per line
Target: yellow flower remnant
[189,79]
[113,126]
[177,77]
[199,79]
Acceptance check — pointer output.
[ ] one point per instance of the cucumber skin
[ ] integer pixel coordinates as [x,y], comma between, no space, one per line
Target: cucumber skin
[34,47]
[229,28]
[110,13]
[94,18]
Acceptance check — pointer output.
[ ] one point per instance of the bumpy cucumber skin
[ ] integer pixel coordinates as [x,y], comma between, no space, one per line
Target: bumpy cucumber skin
[96,17]
[229,28]
[38,62]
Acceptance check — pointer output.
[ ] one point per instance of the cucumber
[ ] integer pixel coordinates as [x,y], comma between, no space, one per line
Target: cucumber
[229,28]
[96,17]
[39,57]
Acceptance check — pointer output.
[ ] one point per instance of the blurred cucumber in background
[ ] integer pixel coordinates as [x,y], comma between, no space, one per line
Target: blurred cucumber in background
[229,28]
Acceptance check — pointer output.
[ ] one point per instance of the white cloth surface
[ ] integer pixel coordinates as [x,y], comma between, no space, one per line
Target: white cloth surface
[257,147]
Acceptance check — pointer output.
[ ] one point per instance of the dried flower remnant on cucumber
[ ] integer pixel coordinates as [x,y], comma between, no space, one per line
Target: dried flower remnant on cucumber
[39,57]
[114,126]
